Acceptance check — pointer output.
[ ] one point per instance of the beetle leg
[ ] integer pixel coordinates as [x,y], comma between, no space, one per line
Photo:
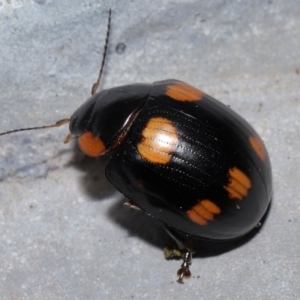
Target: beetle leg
[67,139]
[131,205]
[184,271]
[182,243]
[185,251]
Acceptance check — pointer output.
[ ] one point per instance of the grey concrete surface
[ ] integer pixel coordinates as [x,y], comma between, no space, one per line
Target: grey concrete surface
[64,233]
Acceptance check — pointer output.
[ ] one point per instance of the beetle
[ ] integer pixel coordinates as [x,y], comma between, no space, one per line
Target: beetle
[179,155]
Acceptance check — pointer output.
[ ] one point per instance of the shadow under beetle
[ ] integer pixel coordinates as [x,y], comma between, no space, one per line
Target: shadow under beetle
[181,156]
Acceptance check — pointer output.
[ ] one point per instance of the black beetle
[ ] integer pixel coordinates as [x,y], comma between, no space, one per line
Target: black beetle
[181,156]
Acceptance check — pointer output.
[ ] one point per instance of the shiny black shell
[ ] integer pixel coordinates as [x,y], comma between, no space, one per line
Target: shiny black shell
[182,157]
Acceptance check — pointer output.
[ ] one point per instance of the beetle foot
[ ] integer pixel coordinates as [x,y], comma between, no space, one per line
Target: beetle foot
[184,271]
[131,205]
[258,225]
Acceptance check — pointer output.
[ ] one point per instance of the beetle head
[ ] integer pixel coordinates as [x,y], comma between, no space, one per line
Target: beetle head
[104,119]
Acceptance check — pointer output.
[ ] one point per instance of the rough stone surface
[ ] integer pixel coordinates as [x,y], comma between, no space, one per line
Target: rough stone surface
[64,233]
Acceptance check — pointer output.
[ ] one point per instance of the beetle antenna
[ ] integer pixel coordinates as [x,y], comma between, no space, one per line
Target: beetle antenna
[56,124]
[97,83]
[94,90]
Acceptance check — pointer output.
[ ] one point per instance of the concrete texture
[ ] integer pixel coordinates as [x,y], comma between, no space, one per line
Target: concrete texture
[64,233]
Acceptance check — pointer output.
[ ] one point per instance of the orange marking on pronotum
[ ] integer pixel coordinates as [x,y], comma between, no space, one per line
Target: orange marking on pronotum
[159,139]
[238,184]
[203,212]
[91,145]
[183,92]
[258,146]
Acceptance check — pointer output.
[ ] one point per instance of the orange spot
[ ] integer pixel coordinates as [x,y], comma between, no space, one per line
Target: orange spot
[183,92]
[210,206]
[159,141]
[91,145]
[258,146]
[196,218]
[233,194]
[240,176]
[203,211]
[238,184]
